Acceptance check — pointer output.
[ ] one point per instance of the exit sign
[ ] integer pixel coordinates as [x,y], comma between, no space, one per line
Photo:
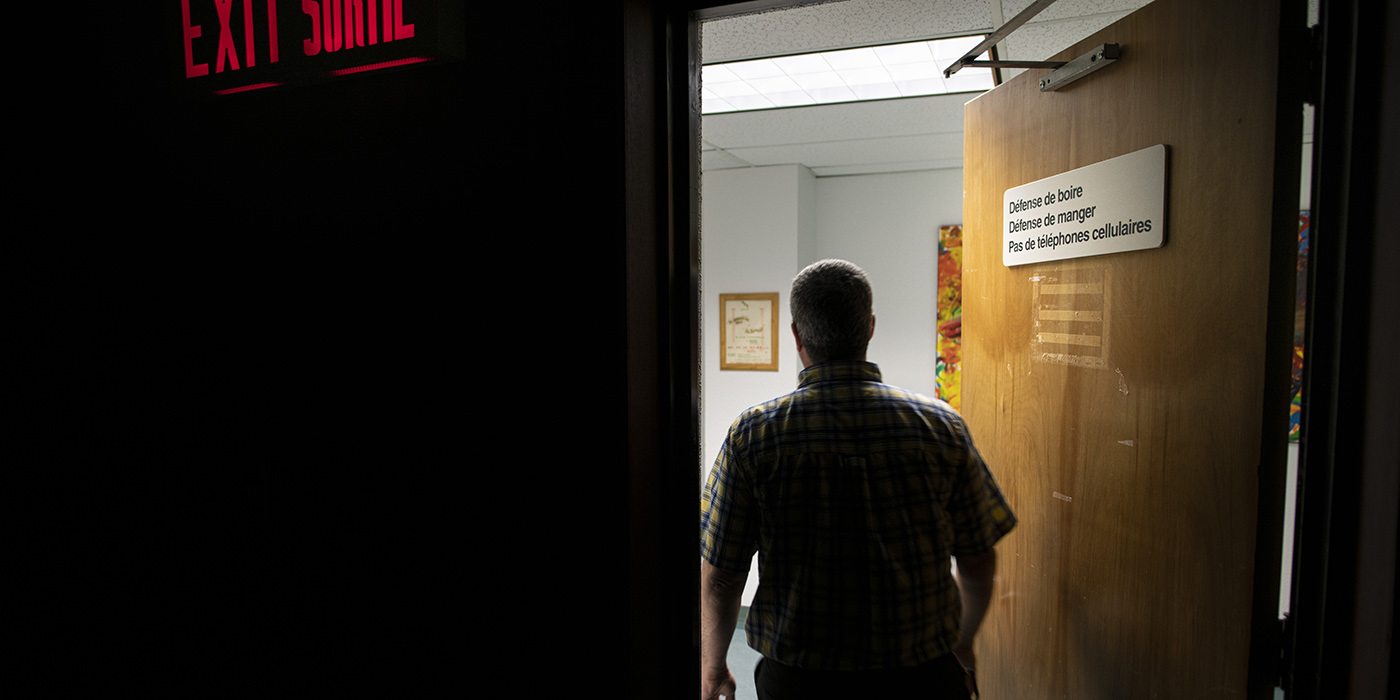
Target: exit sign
[238,45]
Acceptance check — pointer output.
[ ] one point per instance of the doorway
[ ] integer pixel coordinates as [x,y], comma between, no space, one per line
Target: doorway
[820,238]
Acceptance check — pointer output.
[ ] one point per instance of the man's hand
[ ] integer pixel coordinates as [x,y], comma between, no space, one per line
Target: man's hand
[713,685]
[974,580]
[720,591]
[968,658]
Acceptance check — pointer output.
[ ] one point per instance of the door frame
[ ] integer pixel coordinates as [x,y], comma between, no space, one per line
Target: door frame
[1346,522]
[1337,642]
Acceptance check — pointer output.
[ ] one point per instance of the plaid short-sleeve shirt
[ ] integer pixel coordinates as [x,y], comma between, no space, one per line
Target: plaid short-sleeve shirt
[854,494]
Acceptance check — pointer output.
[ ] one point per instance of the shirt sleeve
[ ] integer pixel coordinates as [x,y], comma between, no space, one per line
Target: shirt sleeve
[979,511]
[728,514]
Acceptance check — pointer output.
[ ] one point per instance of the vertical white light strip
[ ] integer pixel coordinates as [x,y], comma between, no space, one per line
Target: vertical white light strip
[870,73]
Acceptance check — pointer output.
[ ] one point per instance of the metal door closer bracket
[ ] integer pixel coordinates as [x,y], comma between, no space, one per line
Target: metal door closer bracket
[1062,72]
[1079,67]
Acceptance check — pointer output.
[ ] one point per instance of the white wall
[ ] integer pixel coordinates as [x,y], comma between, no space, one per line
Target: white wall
[760,226]
[751,223]
[888,225]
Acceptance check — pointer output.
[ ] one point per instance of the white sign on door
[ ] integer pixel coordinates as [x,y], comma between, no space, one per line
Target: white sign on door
[1111,206]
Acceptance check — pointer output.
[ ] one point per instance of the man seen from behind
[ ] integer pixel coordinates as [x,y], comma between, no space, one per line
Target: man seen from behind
[857,496]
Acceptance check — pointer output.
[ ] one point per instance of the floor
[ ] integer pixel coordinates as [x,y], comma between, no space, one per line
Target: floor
[742,659]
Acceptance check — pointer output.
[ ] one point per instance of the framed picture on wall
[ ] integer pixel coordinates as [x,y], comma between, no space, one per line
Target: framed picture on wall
[748,333]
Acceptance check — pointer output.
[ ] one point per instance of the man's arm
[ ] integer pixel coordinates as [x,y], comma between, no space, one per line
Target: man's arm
[720,593]
[974,578]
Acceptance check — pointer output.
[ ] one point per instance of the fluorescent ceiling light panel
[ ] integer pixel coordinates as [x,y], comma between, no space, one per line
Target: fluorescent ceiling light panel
[950,50]
[921,88]
[818,81]
[791,99]
[738,88]
[801,65]
[913,69]
[895,54]
[746,102]
[865,76]
[714,105]
[717,73]
[852,58]
[773,86]
[968,83]
[917,71]
[879,91]
[833,95]
[754,70]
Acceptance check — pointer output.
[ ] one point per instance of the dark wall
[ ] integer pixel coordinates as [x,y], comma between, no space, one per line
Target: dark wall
[328,375]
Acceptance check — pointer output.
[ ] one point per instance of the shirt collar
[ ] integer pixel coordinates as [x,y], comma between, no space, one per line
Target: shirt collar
[839,372]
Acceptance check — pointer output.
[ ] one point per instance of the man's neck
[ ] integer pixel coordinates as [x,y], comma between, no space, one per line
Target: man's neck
[807,362]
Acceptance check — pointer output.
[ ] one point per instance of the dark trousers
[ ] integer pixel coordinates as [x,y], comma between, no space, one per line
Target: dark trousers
[936,680]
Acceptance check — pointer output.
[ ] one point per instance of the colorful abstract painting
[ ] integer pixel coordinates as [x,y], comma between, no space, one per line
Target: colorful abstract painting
[948,370]
[1295,412]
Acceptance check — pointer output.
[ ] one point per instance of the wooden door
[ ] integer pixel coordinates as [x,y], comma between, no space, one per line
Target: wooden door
[1131,445]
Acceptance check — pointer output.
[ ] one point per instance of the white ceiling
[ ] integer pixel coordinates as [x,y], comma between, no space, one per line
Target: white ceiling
[919,133]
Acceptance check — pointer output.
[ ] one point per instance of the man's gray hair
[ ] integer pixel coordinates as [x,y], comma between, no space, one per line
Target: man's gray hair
[832,306]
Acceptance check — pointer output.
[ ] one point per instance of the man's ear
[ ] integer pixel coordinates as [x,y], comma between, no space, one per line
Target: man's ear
[801,349]
[872,327]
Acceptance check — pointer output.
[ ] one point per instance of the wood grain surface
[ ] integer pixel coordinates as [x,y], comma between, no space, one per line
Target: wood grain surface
[1118,398]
